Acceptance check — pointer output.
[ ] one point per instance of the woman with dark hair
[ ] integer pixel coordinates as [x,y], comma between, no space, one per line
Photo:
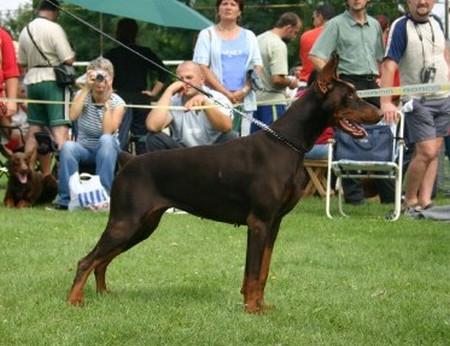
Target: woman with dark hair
[227,54]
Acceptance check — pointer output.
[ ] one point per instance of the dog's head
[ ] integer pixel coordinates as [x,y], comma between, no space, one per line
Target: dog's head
[340,98]
[19,166]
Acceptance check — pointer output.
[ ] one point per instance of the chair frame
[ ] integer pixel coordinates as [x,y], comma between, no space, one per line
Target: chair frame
[369,169]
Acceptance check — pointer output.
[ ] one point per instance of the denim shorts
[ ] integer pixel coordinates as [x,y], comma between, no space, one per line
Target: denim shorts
[428,119]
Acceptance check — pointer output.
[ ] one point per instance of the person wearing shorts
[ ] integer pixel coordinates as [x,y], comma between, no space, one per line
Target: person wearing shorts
[40,78]
[417,47]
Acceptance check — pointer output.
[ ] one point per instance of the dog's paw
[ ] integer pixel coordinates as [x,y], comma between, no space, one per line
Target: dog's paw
[23,204]
[9,203]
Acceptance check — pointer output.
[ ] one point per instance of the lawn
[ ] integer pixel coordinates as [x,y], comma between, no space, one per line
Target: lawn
[354,281]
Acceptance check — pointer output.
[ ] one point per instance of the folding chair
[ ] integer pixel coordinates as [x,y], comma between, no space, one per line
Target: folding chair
[385,168]
[317,174]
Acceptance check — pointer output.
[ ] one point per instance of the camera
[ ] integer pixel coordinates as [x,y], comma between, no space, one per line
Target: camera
[99,76]
[428,74]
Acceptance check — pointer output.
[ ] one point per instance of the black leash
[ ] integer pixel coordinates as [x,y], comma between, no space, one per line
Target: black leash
[257,122]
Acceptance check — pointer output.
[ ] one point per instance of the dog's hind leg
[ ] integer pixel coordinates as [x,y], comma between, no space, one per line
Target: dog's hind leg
[145,230]
[117,238]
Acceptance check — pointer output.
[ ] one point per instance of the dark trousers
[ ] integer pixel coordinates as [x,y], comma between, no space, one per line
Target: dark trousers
[155,141]
[353,189]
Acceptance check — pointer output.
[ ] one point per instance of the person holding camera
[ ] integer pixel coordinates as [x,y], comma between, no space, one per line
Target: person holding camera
[417,47]
[98,112]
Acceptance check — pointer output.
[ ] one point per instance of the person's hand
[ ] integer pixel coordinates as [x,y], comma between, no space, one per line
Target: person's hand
[90,79]
[148,93]
[177,87]
[196,101]
[293,82]
[11,108]
[237,96]
[390,113]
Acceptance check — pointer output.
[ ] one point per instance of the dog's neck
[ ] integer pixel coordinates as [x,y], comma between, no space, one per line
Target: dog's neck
[304,121]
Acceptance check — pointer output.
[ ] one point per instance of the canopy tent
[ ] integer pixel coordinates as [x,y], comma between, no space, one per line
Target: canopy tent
[171,13]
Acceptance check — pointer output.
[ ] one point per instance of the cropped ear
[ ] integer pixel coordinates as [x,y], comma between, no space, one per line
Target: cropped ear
[327,74]
[31,155]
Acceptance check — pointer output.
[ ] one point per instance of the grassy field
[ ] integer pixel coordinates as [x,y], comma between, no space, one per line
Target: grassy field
[354,281]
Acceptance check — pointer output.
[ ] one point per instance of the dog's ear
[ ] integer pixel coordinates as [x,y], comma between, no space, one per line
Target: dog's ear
[123,158]
[31,156]
[327,74]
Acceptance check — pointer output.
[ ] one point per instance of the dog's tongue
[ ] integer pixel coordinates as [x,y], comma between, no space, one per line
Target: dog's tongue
[23,178]
[352,128]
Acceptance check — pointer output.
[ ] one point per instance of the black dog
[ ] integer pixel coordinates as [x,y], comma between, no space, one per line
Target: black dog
[254,180]
[26,187]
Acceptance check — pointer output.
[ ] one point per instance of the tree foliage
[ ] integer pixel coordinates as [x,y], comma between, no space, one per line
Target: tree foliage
[177,44]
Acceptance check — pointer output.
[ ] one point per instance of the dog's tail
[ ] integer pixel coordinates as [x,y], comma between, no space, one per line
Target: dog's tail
[124,157]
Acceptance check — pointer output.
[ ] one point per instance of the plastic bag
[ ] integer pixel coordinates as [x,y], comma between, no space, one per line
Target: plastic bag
[87,192]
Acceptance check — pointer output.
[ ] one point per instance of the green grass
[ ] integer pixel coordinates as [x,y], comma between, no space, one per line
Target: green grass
[354,281]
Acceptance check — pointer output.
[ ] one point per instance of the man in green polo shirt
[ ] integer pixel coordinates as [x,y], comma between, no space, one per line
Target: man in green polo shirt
[357,38]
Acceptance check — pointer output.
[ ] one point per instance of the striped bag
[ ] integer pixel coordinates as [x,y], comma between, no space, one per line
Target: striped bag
[87,192]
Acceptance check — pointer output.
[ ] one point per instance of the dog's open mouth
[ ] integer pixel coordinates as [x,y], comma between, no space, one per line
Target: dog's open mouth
[352,128]
[23,177]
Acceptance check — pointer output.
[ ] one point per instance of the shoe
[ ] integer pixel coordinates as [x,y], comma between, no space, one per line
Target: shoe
[412,212]
[58,207]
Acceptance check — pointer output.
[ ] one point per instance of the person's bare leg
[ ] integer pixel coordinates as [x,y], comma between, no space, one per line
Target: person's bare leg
[31,143]
[425,152]
[60,135]
[426,188]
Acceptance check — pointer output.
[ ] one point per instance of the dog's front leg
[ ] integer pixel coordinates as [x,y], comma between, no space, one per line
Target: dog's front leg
[23,204]
[9,202]
[253,284]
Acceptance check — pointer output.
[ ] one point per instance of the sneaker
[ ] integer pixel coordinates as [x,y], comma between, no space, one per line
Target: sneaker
[58,207]
[411,212]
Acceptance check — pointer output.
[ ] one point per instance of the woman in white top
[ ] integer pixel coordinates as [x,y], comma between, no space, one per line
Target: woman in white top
[227,52]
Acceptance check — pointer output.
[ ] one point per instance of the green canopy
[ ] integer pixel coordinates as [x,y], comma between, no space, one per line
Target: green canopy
[170,13]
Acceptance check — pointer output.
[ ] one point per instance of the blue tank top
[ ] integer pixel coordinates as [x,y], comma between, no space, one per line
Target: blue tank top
[234,56]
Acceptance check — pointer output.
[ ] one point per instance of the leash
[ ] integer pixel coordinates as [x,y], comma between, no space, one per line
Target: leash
[258,123]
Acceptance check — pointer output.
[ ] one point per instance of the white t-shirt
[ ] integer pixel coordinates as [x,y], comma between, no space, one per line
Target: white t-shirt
[52,41]
[192,128]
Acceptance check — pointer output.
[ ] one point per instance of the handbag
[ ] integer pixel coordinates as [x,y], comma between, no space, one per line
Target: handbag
[377,146]
[87,192]
[64,74]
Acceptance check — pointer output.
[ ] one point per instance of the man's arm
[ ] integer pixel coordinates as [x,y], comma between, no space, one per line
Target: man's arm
[159,117]
[284,81]
[318,63]
[388,68]
[219,120]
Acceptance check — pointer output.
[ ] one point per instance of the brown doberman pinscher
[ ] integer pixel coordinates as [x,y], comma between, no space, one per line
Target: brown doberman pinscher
[252,181]
[26,187]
